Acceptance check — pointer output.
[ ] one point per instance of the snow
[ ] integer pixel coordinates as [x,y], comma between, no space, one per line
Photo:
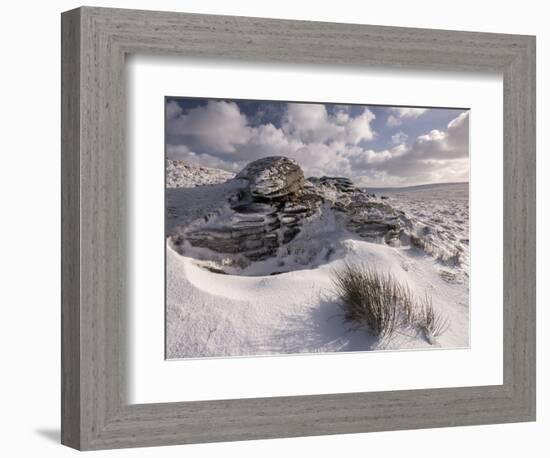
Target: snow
[184,204]
[180,174]
[250,312]
[440,215]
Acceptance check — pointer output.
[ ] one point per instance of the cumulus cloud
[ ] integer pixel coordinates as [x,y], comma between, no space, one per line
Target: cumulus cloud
[451,143]
[359,128]
[399,114]
[173,110]
[399,137]
[215,127]
[409,113]
[311,123]
[393,121]
[437,156]
[336,142]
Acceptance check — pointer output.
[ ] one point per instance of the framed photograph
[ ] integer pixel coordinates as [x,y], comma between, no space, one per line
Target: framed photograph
[298,227]
[277,228]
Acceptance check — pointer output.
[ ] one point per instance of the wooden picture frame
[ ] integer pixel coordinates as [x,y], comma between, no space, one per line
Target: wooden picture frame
[95,412]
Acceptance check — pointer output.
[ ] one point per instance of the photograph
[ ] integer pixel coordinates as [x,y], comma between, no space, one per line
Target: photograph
[299,227]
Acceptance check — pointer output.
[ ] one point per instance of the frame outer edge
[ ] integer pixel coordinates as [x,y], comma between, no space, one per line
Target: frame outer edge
[92,393]
[532,122]
[70,228]
[528,124]
[520,233]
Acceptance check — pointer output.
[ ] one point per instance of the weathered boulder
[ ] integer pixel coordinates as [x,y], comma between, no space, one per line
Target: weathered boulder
[262,215]
[273,177]
[269,204]
[341,184]
[374,221]
[361,212]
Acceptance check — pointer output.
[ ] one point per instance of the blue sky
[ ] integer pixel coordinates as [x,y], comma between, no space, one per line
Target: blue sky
[372,145]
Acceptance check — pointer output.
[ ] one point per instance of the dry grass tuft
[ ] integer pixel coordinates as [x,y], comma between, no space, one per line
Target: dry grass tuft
[368,298]
[381,304]
[431,322]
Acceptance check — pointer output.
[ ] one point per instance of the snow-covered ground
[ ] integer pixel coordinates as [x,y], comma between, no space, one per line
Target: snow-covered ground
[180,174]
[441,217]
[211,314]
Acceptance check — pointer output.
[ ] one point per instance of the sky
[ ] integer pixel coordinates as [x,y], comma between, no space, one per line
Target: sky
[375,146]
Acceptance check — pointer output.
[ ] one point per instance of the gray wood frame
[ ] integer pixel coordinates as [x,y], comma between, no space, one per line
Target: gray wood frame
[95,413]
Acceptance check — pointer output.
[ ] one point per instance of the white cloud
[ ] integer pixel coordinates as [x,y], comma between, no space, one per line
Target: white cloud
[219,135]
[267,140]
[399,137]
[215,127]
[409,113]
[173,110]
[445,144]
[310,123]
[341,117]
[460,120]
[393,121]
[318,159]
[398,115]
[359,128]
[177,152]
[438,156]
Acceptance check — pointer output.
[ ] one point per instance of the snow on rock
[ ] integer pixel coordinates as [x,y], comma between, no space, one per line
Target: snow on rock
[213,315]
[439,223]
[180,174]
[249,259]
[270,204]
[273,177]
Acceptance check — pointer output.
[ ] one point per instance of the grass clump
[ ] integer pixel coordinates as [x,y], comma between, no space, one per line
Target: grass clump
[381,304]
[368,298]
[431,322]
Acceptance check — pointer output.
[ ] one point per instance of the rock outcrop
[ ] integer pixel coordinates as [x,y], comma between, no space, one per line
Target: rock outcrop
[272,201]
[262,215]
[273,178]
[361,212]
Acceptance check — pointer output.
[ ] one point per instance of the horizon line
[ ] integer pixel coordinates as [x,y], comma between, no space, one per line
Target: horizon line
[307,178]
[416,185]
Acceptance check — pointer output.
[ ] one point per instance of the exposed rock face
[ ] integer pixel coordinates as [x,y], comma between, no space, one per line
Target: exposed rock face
[341,184]
[263,214]
[361,212]
[374,221]
[272,201]
[273,177]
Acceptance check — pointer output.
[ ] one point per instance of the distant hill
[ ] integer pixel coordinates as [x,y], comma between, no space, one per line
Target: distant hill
[181,174]
[420,187]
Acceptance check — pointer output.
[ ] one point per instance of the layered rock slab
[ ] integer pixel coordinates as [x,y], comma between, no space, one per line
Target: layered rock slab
[269,203]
